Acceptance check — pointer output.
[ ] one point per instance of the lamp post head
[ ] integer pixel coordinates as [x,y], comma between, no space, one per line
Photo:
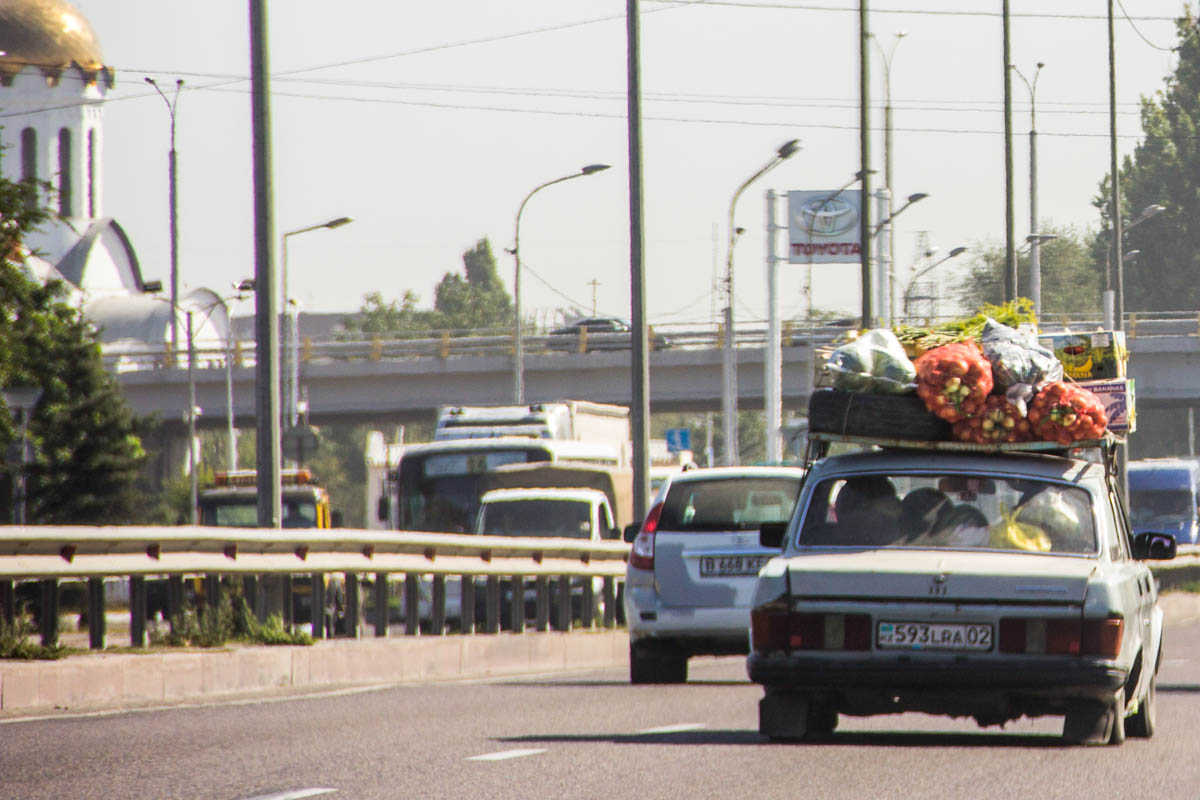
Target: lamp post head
[957,251]
[591,169]
[246,285]
[913,198]
[151,287]
[339,222]
[788,148]
[1150,211]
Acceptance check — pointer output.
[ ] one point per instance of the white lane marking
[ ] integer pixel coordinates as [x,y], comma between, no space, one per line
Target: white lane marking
[295,794]
[504,755]
[678,728]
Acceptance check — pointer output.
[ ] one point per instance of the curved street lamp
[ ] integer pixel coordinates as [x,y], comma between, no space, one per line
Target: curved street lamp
[291,390]
[728,362]
[171,105]
[957,251]
[887,163]
[1115,319]
[518,333]
[1035,260]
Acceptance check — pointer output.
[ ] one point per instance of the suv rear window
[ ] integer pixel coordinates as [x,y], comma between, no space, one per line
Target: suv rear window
[728,504]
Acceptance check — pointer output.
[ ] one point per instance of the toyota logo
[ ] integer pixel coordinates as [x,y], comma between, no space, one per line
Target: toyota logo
[827,217]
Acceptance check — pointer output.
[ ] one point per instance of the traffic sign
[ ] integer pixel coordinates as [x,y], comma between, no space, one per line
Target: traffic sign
[299,441]
[678,439]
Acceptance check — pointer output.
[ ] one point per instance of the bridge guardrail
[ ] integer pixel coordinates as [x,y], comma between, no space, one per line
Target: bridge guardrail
[50,554]
[127,356]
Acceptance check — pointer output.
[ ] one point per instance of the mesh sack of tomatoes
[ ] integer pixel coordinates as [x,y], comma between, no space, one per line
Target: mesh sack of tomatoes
[997,421]
[1066,412]
[953,380]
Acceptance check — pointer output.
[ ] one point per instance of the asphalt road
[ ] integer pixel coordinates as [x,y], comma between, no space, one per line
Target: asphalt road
[584,735]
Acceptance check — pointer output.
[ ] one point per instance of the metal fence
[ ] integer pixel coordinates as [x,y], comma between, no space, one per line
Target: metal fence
[271,564]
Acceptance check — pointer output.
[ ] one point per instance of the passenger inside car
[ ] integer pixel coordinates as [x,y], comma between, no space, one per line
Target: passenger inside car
[868,512]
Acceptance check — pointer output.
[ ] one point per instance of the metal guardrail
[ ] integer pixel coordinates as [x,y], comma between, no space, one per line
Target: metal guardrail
[127,356]
[53,554]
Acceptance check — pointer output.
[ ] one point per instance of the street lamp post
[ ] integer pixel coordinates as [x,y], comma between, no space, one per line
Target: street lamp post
[887,167]
[21,401]
[171,105]
[887,270]
[1035,262]
[728,363]
[518,332]
[291,334]
[1114,307]
[957,251]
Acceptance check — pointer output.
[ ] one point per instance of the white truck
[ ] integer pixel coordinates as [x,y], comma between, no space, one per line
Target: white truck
[576,420]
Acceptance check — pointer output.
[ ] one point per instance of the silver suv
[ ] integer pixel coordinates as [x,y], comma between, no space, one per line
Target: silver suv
[694,562]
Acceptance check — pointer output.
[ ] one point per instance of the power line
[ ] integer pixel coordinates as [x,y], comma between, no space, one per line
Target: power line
[914,11]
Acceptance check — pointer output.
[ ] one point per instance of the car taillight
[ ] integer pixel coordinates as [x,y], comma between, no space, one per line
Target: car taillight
[773,628]
[641,555]
[1071,637]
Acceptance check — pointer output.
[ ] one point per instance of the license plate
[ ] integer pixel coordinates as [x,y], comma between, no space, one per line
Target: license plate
[934,636]
[722,566]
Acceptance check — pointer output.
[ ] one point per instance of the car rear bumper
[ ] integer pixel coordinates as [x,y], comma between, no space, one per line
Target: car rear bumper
[1060,676]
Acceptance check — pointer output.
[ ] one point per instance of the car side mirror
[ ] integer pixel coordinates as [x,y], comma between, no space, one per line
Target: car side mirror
[337,519]
[631,531]
[1151,546]
[382,509]
[770,534]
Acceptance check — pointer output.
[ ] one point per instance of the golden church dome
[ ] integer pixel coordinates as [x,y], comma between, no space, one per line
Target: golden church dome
[51,35]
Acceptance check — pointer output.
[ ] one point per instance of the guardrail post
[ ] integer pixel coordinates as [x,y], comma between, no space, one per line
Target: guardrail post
[287,601]
[588,611]
[583,333]
[610,602]
[542,622]
[48,620]
[174,600]
[318,605]
[8,603]
[467,603]
[516,607]
[412,604]
[137,611]
[562,620]
[97,624]
[382,612]
[492,611]
[353,605]
[444,350]
[212,593]
[437,615]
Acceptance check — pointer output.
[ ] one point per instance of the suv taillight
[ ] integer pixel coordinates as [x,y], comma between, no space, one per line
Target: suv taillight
[641,555]
[1066,637]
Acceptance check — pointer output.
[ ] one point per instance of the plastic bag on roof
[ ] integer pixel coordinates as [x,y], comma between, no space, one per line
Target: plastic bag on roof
[1017,358]
[874,363]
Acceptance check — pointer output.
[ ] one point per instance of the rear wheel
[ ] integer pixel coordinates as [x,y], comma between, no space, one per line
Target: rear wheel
[650,664]
[1142,723]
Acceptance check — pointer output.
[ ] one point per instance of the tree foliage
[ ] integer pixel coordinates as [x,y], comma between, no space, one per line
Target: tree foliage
[1164,169]
[86,445]
[1070,281]
[471,300]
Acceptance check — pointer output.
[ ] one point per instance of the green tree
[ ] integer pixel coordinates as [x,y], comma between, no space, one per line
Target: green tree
[1164,169]
[1071,283]
[87,449]
[377,316]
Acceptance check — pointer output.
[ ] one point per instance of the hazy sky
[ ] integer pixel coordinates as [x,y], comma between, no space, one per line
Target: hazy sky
[428,123]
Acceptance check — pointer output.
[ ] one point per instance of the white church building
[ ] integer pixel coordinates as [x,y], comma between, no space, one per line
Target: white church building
[53,83]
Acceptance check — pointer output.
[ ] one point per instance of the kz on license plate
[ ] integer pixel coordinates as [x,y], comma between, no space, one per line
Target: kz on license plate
[720,566]
[934,636]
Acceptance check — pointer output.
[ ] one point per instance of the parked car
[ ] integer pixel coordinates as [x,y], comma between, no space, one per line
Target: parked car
[693,565]
[968,584]
[603,333]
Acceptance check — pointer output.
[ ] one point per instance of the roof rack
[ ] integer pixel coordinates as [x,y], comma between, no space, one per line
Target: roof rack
[818,446]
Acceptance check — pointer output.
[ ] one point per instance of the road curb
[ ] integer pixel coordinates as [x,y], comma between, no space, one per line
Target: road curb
[101,679]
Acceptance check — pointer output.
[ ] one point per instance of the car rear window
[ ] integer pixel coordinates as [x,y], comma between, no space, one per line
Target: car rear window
[728,504]
[951,511]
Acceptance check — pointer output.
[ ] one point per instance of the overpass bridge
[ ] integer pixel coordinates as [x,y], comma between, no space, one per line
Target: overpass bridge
[375,381]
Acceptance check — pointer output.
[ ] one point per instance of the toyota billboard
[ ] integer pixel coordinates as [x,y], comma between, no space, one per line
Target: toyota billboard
[823,227]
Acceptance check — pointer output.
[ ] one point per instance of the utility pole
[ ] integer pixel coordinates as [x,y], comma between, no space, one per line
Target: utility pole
[595,284]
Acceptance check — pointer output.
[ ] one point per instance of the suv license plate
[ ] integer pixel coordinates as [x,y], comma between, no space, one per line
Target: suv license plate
[723,566]
[934,636]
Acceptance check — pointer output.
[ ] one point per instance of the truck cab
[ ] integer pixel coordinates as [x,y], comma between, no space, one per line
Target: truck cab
[1164,496]
[553,512]
[232,502]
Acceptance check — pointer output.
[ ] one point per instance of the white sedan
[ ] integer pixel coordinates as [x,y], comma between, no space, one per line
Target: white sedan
[987,585]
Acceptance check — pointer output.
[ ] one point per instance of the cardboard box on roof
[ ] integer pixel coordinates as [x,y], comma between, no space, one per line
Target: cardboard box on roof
[1120,404]
[1099,355]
